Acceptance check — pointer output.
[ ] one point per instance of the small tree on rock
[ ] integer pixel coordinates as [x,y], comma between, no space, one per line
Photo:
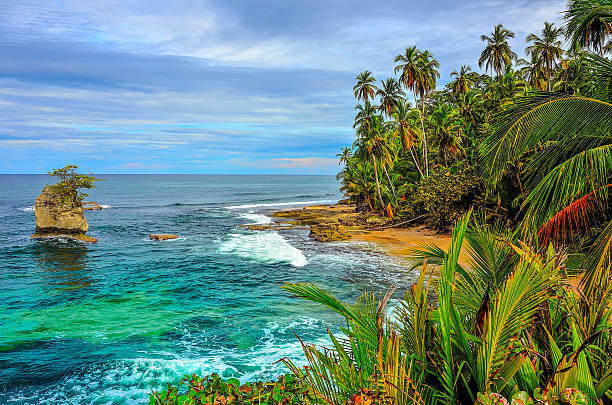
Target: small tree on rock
[69,183]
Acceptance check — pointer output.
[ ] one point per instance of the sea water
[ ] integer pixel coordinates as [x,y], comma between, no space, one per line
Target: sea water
[107,322]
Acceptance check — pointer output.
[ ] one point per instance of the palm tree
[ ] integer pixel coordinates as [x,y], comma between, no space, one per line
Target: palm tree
[365,87]
[462,82]
[371,142]
[364,115]
[546,49]
[533,73]
[344,156]
[389,94]
[497,55]
[446,129]
[570,172]
[426,83]
[589,23]
[405,128]
[419,72]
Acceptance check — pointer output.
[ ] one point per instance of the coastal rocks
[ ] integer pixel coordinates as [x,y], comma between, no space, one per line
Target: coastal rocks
[162,236]
[56,219]
[92,206]
[376,222]
[328,233]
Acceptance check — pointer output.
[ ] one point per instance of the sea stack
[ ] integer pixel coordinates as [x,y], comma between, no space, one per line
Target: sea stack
[56,219]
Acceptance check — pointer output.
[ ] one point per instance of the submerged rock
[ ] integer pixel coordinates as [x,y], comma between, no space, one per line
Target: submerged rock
[92,206]
[54,218]
[328,233]
[162,236]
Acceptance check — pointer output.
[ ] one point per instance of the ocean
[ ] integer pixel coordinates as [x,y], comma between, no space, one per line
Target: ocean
[107,322]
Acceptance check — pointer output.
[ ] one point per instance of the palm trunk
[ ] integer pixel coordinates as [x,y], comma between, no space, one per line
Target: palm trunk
[382,204]
[391,184]
[425,160]
[416,163]
[425,151]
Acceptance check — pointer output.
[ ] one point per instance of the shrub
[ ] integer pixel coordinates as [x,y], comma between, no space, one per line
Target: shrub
[213,390]
[447,194]
[69,184]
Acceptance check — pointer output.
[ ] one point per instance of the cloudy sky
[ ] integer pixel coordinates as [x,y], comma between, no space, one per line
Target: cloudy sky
[215,86]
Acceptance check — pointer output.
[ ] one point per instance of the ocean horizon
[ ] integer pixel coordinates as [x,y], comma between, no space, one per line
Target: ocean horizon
[108,322]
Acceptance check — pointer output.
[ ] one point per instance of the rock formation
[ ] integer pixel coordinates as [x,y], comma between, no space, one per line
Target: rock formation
[328,233]
[56,219]
[162,236]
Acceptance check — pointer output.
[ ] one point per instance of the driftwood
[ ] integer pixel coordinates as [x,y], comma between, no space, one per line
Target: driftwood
[396,225]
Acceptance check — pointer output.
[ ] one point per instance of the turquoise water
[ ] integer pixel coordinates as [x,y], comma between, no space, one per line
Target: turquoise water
[106,322]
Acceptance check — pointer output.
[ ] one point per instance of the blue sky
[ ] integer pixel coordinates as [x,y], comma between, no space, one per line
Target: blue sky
[209,86]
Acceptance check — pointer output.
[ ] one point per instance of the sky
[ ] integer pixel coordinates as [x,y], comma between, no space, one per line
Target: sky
[216,86]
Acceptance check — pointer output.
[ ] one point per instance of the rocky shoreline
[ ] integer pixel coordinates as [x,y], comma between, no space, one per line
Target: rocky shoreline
[328,223]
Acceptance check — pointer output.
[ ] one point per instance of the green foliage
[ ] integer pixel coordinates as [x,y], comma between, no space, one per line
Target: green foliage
[447,194]
[195,390]
[69,183]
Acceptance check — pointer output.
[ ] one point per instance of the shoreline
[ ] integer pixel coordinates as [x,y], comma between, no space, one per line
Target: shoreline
[362,228]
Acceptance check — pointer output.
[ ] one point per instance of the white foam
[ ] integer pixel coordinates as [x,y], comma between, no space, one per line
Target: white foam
[256,219]
[278,204]
[263,247]
[106,206]
[27,209]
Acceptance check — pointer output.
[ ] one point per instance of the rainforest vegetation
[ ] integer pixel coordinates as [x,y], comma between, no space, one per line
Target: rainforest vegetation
[518,162]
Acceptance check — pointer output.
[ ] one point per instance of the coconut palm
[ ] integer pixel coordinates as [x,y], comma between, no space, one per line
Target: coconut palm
[344,156]
[497,55]
[405,127]
[446,131]
[419,73]
[462,82]
[389,94]
[533,72]
[546,50]
[365,89]
[589,24]
[571,174]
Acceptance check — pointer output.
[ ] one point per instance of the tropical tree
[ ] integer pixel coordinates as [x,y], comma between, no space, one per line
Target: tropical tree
[406,129]
[389,94]
[462,82]
[344,156]
[497,55]
[589,24]
[533,72]
[446,130]
[365,89]
[546,50]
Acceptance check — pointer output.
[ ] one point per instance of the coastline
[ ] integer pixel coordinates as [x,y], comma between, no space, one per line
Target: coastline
[394,241]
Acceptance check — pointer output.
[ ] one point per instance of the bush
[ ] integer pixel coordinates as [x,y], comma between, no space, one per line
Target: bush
[213,390]
[447,194]
[69,184]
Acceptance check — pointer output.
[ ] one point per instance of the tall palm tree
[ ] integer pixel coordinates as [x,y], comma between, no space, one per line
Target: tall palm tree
[533,72]
[547,49]
[589,24]
[446,129]
[364,115]
[389,94]
[371,142]
[344,156]
[462,82]
[426,83]
[405,128]
[497,55]
[365,89]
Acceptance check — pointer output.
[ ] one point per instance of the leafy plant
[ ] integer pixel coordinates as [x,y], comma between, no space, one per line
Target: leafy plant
[69,183]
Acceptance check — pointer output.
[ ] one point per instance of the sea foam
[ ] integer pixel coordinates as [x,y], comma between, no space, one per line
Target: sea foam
[278,204]
[263,247]
[27,209]
[256,219]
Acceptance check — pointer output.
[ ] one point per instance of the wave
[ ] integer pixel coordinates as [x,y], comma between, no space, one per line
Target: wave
[131,380]
[27,209]
[278,204]
[106,206]
[263,247]
[256,219]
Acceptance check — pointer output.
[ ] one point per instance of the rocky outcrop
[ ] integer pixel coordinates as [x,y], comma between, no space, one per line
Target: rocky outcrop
[328,233]
[92,206]
[54,218]
[162,236]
